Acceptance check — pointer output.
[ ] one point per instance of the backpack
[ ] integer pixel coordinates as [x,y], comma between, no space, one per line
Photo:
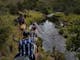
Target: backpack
[21,47]
[26,47]
[29,47]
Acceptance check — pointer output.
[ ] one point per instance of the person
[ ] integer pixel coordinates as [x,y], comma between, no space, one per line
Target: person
[26,46]
[33,27]
[33,31]
[21,22]
[21,19]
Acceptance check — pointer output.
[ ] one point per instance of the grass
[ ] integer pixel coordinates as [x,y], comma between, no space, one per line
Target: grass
[33,16]
[7,20]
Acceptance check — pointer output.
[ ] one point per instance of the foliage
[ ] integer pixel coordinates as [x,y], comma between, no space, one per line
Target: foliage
[67,6]
[33,16]
[71,22]
[78,55]
[70,30]
[9,48]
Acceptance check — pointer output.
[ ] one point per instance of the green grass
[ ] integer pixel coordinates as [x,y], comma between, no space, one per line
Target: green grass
[7,24]
[33,16]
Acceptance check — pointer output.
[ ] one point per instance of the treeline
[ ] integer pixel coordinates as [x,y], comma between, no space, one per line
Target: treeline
[45,6]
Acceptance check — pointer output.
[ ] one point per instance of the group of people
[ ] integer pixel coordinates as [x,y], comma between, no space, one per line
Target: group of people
[27,45]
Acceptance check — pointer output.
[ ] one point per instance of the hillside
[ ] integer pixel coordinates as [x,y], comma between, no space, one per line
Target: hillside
[66,17]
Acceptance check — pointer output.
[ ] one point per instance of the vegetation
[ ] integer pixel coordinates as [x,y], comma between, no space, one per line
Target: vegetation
[45,6]
[78,55]
[67,20]
[70,30]
[8,30]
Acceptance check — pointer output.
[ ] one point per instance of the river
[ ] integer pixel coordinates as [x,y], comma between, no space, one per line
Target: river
[51,38]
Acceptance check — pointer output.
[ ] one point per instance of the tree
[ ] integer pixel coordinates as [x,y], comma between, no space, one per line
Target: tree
[29,4]
[67,6]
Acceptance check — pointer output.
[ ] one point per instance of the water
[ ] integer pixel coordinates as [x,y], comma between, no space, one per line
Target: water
[51,38]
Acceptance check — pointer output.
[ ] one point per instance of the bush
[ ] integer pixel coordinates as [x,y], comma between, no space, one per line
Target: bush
[71,30]
[4,35]
[78,55]
[61,31]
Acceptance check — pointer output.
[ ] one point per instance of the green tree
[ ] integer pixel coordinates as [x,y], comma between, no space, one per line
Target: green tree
[67,6]
[29,4]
